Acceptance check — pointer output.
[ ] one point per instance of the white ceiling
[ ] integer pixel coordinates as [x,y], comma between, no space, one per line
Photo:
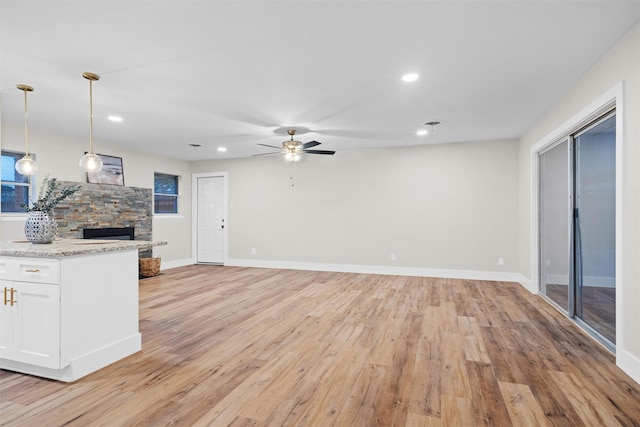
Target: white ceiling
[238,73]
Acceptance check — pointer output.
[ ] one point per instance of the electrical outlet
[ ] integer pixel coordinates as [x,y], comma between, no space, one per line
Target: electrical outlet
[393,257]
[253,251]
[500,261]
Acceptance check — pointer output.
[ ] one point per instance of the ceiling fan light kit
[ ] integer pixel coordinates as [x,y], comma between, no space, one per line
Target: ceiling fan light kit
[292,156]
[292,150]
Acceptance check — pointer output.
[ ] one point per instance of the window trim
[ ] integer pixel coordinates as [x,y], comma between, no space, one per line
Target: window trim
[30,184]
[176,196]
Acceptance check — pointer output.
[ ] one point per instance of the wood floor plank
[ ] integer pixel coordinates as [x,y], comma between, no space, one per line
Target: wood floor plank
[554,401]
[524,410]
[503,357]
[426,383]
[474,349]
[489,406]
[232,346]
[453,371]
[457,412]
[591,408]
[415,420]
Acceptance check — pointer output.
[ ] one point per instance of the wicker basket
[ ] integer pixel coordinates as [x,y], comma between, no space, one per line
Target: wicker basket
[149,267]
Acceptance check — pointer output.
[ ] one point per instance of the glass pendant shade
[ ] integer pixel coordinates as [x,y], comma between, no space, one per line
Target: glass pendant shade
[292,156]
[292,149]
[26,165]
[91,162]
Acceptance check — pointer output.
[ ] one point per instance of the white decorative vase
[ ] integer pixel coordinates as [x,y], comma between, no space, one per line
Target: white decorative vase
[41,227]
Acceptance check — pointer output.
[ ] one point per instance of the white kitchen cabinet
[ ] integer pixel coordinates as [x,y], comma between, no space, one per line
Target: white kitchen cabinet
[30,323]
[71,314]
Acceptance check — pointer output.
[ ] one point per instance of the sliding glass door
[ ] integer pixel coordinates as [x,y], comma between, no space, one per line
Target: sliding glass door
[595,225]
[555,224]
[577,226]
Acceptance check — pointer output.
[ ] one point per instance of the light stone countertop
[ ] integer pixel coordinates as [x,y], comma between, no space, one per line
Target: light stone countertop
[72,247]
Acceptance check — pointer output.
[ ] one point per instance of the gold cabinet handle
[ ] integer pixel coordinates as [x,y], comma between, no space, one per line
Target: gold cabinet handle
[5,296]
[33,270]
[12,300]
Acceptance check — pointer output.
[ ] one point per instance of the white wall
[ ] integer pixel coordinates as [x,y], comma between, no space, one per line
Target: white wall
[441,208]
[621,64]
[58,156]
[446,207]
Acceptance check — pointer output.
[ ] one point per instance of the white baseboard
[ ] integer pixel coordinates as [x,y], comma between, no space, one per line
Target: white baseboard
[98,359]
[499,276]
[165,265]
[629,363]
[527,284]
[563,279]
[83,365]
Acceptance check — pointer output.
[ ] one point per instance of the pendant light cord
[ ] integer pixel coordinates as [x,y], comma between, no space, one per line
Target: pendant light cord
[26,129]
[90,116]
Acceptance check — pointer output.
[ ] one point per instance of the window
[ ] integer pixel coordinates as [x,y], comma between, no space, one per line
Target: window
[165,194]
[16,189]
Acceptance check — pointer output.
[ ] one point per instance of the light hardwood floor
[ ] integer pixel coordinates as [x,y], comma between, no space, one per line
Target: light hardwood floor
[258,347]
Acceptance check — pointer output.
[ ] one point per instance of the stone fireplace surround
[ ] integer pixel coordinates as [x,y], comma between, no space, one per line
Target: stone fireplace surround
[103,206]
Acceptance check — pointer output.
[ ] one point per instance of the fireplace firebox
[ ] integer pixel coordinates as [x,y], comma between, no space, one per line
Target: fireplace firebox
[109,233]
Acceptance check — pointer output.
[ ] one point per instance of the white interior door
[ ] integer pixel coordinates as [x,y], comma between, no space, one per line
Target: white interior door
[210,234]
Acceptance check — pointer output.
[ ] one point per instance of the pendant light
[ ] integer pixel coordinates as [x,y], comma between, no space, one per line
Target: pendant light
[26,165]
[91,162]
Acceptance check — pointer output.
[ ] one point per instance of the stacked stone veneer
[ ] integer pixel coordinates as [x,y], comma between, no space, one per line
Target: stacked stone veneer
[99,206]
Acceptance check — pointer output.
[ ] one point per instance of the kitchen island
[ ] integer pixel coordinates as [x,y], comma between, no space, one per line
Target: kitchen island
[70,307]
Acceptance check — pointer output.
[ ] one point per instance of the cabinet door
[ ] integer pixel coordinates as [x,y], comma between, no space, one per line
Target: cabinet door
[6,321]
[36,332]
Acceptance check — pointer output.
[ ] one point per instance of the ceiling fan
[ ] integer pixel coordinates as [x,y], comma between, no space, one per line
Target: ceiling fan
[293,150]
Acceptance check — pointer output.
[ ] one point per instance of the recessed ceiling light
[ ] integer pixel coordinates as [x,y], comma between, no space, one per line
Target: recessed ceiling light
[411,77]
[422,132]
[117,119]
[222,149]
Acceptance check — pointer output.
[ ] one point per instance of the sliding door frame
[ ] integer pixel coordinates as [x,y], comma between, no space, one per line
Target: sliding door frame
[599,107]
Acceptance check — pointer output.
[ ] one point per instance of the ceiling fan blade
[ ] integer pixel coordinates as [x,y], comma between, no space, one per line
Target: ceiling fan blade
[310,144]
[331,153]
[271,146]
[266,154]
